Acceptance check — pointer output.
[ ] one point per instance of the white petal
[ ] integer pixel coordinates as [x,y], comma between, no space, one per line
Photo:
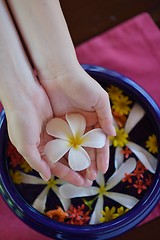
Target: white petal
[58,128]
[40,201]
[77,123]
[119,157]
[30,179]
[78,159]
[71,191]
[127,167]
[65,202]
[124,199]
[115,123]
[94,138]
[100,179]
[136,114]
[147,159]
[96,215]
[56,149]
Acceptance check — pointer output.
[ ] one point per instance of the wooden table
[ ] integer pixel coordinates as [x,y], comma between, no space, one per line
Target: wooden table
[88,18]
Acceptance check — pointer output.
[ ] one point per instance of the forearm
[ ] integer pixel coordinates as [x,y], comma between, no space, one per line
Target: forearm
[45,32]
[16,81]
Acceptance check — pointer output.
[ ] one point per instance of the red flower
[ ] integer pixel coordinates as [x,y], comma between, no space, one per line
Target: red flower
[127,178]
[140,186]
[15,157]
[78,215]
[126,152]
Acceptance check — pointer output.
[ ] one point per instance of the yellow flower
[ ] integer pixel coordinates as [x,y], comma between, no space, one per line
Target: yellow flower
[121,105]
[114,92]
[16,177]
[26,167]
[121,138]
[121,210]
[152,144]
[108,214]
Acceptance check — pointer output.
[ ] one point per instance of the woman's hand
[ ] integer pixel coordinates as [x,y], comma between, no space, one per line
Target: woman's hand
[77,92]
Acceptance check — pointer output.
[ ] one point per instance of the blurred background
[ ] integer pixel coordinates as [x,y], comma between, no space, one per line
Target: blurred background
[88,18]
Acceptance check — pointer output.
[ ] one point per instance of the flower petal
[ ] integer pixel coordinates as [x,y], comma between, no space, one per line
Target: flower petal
[147,159]
[124,199]
[56,149]
[126,167]
[71,191]
[100,179]
[65,202]
[96,215]
[78,158]
[40,201]
[94,138]
[136,114]
[119,157]
[58,128]
[77,123]
[30,179]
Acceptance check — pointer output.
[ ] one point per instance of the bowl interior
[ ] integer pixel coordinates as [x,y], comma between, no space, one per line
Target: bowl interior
[121,198]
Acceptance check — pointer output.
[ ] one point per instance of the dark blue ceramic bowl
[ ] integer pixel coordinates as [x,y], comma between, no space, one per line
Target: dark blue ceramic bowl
[107,230]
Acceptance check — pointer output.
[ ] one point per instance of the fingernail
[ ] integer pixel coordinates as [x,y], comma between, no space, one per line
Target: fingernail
[46,179]
[88,183]
[91,174]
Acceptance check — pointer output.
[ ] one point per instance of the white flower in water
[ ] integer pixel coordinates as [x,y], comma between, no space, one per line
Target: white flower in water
[120,140]
[103,190]
[53,184]
[71,137]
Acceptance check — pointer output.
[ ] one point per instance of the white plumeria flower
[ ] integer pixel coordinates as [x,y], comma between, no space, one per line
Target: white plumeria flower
[103,190]
[70,136]
[40,201]
[147,159]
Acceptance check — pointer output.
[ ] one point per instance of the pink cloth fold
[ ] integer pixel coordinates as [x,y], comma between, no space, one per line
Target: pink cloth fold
[133,49]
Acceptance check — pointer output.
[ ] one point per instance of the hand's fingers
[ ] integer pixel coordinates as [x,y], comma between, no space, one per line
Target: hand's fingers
[32,156]
[64,172]
[91,171]
[103,158]
[104,114]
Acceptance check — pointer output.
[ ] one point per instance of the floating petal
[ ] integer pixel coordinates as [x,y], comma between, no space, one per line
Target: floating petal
[136,114]
[96,215]
[59,128]
[56,149]
[127,167]
[77,123]
[78,158]
[147,159]
[30,179]
[124,199]
[71,191]
[94,138]
[119,157]
[65,202]
[40,201]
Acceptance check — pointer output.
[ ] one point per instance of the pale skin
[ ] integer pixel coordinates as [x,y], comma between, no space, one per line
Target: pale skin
[62,87]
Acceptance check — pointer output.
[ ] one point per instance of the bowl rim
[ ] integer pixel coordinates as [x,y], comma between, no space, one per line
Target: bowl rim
[33,218]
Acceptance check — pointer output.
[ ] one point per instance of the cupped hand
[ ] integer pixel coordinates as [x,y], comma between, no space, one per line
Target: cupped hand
[27,131]
[77,92]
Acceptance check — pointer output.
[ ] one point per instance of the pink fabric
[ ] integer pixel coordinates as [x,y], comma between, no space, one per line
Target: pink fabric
[133,49]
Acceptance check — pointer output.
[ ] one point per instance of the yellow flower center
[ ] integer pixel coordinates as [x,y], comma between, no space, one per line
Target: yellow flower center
[102,190]
[75,141]
[51,183]
[121,138]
